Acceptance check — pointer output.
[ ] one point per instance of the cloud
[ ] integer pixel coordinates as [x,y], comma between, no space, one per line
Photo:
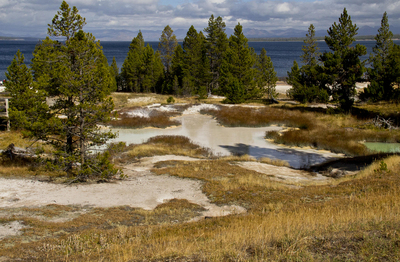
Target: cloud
[21,17]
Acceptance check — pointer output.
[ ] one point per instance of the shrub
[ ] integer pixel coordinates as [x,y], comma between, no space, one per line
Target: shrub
[170,100]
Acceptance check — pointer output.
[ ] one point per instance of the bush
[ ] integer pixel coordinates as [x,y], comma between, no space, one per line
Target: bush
[170,100]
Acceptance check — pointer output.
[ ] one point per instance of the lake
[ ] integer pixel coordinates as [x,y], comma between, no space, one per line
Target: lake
[282,53]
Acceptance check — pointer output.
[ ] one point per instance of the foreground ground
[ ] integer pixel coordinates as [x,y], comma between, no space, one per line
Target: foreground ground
[199,208]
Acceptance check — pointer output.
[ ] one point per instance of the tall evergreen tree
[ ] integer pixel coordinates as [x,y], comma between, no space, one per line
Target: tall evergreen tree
[141,70]
[177,73]
[131,68]
[265,74]
[114,71]
[81,93]
[66,22]
[166,46]
[380,74]
[217,44]
[196,66]
[204,72]
[306,81]
[27,104]
[343,67]
[310,48]
[137,42]
[239,64]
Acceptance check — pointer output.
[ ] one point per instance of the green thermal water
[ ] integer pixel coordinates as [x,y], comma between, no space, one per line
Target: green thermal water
[383,147]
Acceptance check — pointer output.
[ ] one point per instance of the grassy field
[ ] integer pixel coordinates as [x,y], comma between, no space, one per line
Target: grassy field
[353,218]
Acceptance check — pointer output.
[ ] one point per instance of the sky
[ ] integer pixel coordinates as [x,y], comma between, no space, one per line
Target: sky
[30,17]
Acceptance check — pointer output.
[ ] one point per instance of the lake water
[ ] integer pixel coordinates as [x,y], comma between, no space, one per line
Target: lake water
[282,53]
[205,131]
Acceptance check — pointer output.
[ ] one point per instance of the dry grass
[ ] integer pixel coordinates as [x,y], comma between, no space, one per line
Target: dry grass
[22,165]
[160,120]
[123,100]
[169,145]
[384,109]
[275,162]
[42,234]
[237,158]
[15,137]
[338,133]
[265,160]
[255,117]
[356,219]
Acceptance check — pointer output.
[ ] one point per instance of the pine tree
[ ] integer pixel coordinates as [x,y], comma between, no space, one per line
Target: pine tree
[239,64]
[166,46]
[380,73]
[217,44]
[131,68]
[307,81]
[158,73]
[204,72]
[142,69]
[177,72]
[27,104]
[137,42]
[77,76]
[266,75]
[196,66]
[235,92]
[293,75]
[310,48]
[66,22]
[343,65]
[114,71]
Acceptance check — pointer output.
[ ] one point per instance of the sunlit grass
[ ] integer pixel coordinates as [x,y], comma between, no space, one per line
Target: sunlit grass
[169,145]
[353,219]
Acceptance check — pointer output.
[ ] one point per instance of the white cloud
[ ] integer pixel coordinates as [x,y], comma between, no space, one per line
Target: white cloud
[21,17]
[283,8]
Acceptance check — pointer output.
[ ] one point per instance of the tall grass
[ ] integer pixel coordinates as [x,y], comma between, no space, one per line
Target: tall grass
[254,117]
[356,219]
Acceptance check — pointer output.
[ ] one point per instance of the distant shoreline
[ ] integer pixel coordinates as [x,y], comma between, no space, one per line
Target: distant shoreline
[5,38]
[250,39]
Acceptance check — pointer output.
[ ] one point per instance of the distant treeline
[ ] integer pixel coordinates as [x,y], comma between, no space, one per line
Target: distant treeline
[13,38]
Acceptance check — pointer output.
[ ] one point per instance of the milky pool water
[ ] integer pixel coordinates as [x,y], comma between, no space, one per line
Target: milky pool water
[205,131]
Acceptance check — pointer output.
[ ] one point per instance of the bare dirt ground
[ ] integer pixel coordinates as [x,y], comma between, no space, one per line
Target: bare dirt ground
[140,189]
[285,174]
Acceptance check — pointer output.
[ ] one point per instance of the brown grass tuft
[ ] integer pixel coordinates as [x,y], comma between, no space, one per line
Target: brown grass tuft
[275,162]
[169,145]
[157,119]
